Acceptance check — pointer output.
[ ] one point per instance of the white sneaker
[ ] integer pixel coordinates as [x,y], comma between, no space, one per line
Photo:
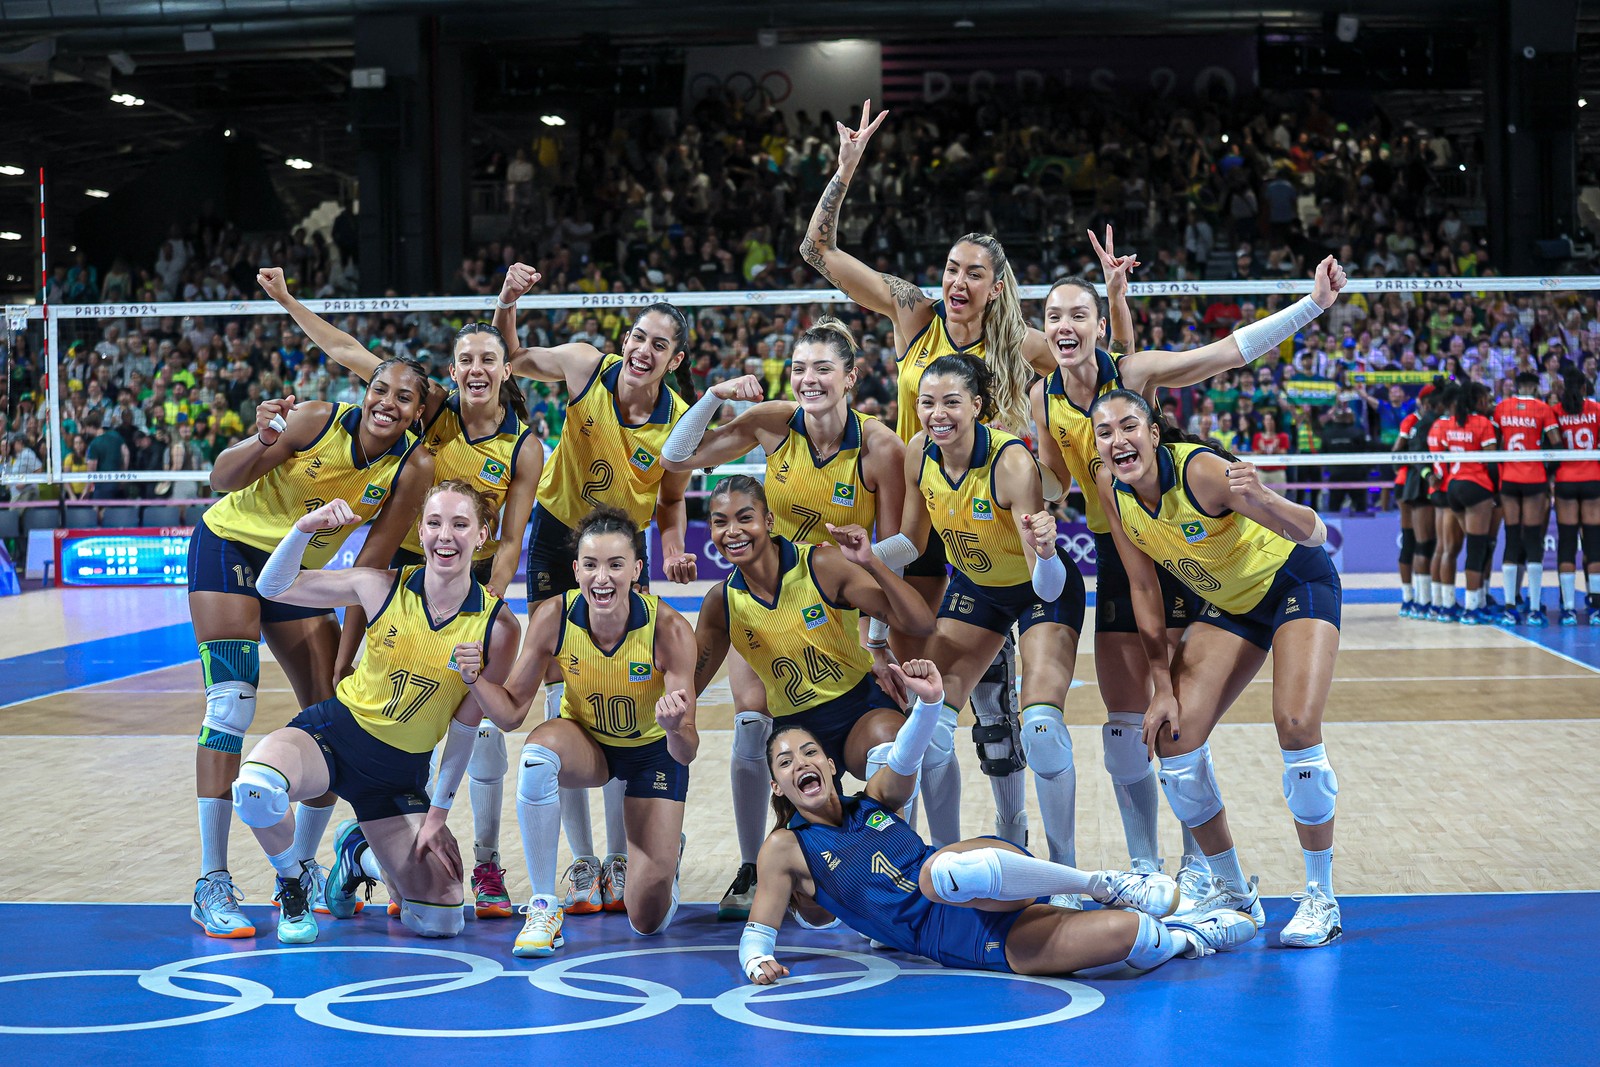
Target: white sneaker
[541,933]
[614,880]
[1315,922]
[1221,895]
[1215,931]
[1194,882]
[1154,893]
[1069,901]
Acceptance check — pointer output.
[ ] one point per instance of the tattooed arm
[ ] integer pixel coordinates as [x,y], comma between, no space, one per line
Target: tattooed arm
[902,301]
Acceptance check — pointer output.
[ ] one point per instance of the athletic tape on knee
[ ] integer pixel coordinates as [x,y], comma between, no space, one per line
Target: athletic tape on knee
[1309,785]
[1190,783]
[488,762]
[962,876]
[539,780]
[1408,544]
[1477,552]
[1512,553]
[1126,758]
[751,732]
[231,670]
[1045,740]
[1425,549]
[260,795]
[1566,543]
[432,920]
[1153,945]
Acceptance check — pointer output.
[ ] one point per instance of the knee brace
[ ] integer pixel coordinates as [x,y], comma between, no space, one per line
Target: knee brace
[1512,554]
[1190,783]
[1566,543]
[1125,755]
[997,732]
[1477,552]
[539,781]
[1425,550]
[1533,544]
[1045,740]
[231,670]
[1591,545]
[488,760]
[432,920]
[942,746]
[1309,785]
[1408,545]
[962,876]
[751,732]
[260,795]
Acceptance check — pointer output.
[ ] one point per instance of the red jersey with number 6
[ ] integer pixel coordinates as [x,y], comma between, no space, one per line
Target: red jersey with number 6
[1523,421]
[1580,431]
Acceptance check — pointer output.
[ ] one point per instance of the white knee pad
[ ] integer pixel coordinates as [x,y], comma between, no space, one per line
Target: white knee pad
[539,781]
[942,746]
[488,762]
[1190,783]
[1309,785]
[432,920]
[962,876]
[751,732]
[1125,753]
[260,795]
[1045,740]
[230,709]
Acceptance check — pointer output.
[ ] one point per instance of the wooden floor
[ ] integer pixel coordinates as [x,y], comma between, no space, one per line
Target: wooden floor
[1454,747]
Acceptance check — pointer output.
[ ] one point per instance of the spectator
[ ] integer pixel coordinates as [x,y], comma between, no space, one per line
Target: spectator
[108,452]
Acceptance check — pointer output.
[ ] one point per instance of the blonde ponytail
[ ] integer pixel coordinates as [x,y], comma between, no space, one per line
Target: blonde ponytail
[1004,330]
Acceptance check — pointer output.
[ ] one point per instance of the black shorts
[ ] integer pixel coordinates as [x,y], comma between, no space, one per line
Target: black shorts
[831,721]
[1113,598]
[1414,490]
[552,554]
[404,557]
[1306,587]
[932,562]
[998,608]
[218,565]
[1438,498]
[649,770]
[379,780]
[1578,490]
[1463,495]
[1523,490]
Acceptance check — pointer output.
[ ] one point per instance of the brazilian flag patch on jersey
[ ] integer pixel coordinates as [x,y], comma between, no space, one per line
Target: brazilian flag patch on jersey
[879,821]
[982,510]
[639,672]
[1193,532]
[844,493]
[642,459]
[374,494]
[814,616]
[493,472]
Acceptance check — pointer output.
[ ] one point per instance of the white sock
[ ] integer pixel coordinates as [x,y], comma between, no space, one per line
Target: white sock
[1508,580]
[941,783]
[1475,599]
[1422,588]
[1058,798]
[1011,807]
[1536,585]
[486,800]
[1192,852]
[1000,874]
[1405,592]
[216,819]
[540,822]
[1139,802]
[366,863]
[309,826]
[612,794]
[286,863]
[1569,590]
[1319,869]
[1438,595]
[751,789]
[575,821]
[1225,865]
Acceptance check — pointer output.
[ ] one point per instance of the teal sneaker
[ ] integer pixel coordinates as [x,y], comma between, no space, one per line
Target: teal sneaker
[297,925]
[345,879]
[216,907]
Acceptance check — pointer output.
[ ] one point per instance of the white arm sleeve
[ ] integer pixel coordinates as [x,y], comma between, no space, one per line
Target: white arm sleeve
[905,754]
[691,429]
[1049,577]
[283,566]
[756,946]
[458,742]
[1258,338]
[877,631]
[896,552]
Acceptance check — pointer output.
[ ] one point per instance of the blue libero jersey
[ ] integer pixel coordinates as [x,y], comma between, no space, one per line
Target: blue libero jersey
[866,872]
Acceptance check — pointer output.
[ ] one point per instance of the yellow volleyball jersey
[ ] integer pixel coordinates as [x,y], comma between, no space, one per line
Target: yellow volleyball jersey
[1069,426]
[806,494]
[1227,559]
[487,464]
[805,648]
[406,687]
[600,461]
[924,348]
[612,694]
[329,468]
[980,537]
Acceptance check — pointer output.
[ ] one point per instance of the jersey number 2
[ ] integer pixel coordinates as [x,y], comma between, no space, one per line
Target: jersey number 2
[599,483]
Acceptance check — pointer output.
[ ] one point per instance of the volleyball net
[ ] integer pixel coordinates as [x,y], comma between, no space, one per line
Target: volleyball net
[70,344]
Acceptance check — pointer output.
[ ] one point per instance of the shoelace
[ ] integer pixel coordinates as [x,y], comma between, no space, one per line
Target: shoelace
[319,878]
[1320,905]
[617,871]
[1195,884]
[580,874]
[491,880]
[220,893]
[743,880]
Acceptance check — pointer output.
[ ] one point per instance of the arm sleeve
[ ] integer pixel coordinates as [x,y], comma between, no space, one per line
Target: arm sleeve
[896,552]
[458,742]
[1049,577]
[1265,335]
[283,566]
[690,429]
[905,753]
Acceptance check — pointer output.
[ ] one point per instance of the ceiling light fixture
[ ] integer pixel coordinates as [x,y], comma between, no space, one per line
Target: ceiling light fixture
[10,171]
[10,235]
[127,100]
[98,194]
[297,163]
[552,120]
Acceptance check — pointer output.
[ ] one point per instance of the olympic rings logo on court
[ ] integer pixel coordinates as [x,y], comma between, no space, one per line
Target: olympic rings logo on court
[640,998]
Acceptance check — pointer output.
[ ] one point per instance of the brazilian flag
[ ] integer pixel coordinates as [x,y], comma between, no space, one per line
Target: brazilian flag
[981,508]
[638,672]
[643,459]
[814,616]
[1193,531]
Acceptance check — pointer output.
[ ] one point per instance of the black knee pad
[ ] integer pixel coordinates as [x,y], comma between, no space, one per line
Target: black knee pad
[1533,544]
[1477,552]
[1591,545]
[1566,543]
[1513,550]
[1408,545]
[1425,550]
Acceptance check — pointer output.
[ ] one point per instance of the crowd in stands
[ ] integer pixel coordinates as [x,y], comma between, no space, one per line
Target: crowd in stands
[1238,191]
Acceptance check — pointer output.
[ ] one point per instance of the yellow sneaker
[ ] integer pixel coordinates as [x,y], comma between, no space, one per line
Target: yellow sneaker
[541,933]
